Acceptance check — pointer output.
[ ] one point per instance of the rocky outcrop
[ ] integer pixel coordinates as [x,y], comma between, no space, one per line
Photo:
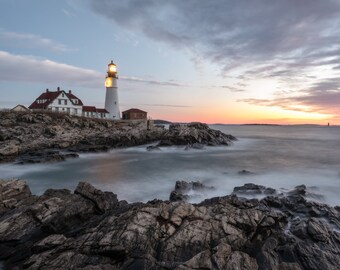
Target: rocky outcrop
[50,137]
[91,229]
[194,135]
[185,191]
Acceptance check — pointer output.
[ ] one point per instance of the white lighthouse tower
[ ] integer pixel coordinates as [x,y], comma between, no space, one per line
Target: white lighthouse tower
[111,98]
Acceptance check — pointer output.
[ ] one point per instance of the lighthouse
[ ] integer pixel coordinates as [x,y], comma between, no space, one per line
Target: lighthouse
[111,98]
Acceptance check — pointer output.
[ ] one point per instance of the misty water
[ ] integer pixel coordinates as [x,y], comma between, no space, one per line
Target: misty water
[279,156]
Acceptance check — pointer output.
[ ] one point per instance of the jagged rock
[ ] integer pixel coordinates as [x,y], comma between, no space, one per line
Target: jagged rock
[194,134]
[183,188]
[12,192]
[103,200]
[91,229]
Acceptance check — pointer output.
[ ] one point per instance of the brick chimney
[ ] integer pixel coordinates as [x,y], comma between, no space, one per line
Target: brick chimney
[47,90]
[69,91]
[58,89]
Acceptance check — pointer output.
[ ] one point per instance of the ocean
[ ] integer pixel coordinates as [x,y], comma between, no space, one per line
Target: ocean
[278,156]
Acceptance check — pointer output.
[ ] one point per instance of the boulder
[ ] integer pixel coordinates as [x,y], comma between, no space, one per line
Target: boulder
[103,200]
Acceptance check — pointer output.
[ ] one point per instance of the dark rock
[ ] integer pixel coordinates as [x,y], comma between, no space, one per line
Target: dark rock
[103,200]
[11,193]
[253,189]
[194,135]
[197,146]
[245,172]
[153,148]
[182,188]
[44,156]
[91,229]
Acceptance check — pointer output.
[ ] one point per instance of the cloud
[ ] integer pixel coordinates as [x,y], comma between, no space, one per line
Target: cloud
[293,42]
[322,97]
[30,69]
[162,83]
[233,89]
[235,33]
[31,41]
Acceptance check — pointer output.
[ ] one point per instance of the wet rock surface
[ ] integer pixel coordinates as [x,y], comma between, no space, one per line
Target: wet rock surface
[50,137]
[185,191]
[92,229]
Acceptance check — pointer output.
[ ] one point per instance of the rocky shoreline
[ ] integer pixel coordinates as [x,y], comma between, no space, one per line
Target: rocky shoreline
[49,137]
[92,229]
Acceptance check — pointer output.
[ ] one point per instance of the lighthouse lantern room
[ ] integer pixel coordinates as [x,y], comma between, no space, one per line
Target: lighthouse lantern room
[111,98]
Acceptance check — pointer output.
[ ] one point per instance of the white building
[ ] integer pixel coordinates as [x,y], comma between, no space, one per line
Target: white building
[65,102]
[111,98]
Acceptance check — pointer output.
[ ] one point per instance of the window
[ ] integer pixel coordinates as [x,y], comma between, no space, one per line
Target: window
[75,111]
[65,102]
[59,101]
[68,110]
[75,101]
[62,95]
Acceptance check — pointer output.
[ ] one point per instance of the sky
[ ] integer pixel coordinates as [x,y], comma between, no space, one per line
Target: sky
[217,61]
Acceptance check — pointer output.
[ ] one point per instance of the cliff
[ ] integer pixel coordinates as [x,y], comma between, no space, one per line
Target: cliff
[92,229]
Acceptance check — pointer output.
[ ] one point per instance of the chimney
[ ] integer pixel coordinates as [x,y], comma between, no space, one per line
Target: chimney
[58,88]
[47,90]
[69,91]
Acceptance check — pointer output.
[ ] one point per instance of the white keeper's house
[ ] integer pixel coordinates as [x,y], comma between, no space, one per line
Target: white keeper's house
[66,102]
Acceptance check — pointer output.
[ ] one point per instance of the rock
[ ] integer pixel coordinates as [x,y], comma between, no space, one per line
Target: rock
[153,148]
[91,229]
[197,146]
[27,136]
[183,188]
[252,189]
[194,135]
[245,172]
[44,156]
[12,192]
[103,200]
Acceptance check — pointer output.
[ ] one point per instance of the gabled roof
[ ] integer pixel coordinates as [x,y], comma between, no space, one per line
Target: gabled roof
[19,106]
[134,110]
[71,96]
[50,96]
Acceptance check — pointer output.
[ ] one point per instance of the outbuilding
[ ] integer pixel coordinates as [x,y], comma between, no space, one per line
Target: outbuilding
[134,114]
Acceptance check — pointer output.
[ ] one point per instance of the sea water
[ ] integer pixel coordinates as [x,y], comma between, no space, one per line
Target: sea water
[278,156]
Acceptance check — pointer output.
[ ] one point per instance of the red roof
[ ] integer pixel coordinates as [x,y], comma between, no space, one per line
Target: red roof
[89,109]
[134,110]
[50,97]
[102,111]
